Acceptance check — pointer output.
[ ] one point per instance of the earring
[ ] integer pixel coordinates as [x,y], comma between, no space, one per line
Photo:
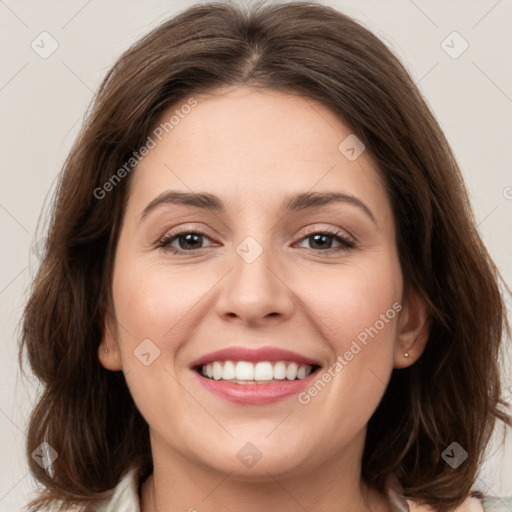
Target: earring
[406,354]
[105,350]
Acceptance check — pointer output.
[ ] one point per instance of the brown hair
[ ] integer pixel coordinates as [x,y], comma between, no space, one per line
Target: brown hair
[452,393]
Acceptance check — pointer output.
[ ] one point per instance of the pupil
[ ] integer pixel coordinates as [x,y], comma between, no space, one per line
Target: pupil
[189,240]
[316,237]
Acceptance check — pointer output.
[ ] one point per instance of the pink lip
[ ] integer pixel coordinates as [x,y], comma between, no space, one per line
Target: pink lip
[255,394]
[253,355]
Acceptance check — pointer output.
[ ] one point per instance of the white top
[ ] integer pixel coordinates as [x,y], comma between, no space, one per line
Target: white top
[125,498]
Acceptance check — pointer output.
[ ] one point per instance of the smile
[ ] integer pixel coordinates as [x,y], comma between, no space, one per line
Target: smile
[262,372]
[261,383]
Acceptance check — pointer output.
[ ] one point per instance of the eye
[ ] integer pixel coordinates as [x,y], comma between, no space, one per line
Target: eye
[188,242]
[321,241]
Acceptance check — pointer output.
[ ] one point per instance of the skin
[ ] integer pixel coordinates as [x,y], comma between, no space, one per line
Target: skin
[251,148]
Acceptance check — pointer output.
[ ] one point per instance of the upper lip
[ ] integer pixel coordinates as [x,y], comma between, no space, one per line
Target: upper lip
[254,355]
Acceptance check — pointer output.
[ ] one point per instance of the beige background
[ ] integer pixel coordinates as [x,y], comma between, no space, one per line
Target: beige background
[43,100]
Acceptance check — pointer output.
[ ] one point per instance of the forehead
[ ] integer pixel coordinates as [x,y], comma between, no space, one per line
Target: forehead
[241,143]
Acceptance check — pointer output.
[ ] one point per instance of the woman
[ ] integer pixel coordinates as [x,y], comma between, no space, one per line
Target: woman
[263,287]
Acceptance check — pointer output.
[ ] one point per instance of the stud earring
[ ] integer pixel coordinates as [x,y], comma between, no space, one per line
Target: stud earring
[105,350]
[406,354]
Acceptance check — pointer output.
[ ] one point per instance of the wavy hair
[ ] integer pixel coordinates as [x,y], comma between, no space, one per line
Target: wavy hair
[452,392]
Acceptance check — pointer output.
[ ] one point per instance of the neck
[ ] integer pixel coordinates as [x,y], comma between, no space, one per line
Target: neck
[178,483]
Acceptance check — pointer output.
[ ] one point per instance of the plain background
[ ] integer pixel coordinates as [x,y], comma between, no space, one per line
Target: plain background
[43,101]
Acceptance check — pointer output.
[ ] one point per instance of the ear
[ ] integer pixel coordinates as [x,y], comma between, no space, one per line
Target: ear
[413,330]
[108,350]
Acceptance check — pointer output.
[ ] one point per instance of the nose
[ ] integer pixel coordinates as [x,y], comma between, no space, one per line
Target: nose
[256,291]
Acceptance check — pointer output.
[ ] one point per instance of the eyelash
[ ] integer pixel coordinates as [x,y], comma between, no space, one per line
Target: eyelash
[165,242]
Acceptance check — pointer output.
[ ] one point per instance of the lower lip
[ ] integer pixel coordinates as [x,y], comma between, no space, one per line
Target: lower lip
[255,394]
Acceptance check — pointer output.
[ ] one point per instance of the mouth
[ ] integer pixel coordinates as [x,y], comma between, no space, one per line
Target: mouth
[254,376]
[255,373]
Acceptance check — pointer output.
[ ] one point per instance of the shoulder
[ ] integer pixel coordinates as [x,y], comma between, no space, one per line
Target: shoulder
[471,505]
[400,503]
[497,504]
[123,498]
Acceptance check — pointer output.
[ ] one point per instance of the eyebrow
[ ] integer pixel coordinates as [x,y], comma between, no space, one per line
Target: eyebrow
[294,203]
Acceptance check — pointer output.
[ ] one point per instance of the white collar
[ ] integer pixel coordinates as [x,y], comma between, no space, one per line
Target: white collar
[126,496]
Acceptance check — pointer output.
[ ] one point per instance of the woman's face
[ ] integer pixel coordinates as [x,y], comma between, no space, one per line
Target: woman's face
[262,274]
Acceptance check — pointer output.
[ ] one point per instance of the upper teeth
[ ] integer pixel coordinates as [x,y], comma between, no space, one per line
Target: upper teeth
[261,371]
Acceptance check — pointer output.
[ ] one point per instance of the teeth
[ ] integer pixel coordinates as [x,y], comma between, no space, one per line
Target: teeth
[291,371]
[280,370]
[244,372]
[229,370]
[263,371]
[217,370]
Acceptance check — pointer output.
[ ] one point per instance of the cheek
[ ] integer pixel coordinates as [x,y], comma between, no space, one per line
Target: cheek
[158,309]
[357,310]
[350,300]
[157,302]
[155,312]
